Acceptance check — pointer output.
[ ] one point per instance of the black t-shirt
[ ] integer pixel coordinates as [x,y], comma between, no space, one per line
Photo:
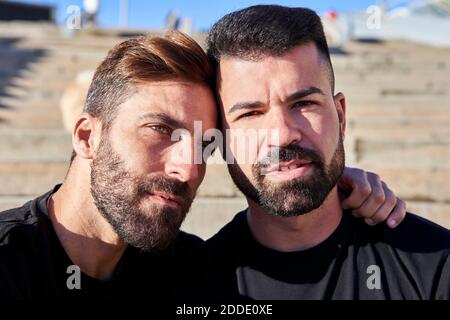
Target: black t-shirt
[356,261]
[34,265]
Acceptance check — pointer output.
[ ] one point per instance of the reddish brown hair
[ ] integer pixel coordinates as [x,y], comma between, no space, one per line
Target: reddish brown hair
[144,59]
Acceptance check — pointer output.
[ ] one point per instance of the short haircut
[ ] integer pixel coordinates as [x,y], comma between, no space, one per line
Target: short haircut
[174,56]
[266,30]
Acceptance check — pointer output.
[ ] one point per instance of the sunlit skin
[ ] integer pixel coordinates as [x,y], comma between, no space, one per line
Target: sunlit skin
[141,135]
[291,93]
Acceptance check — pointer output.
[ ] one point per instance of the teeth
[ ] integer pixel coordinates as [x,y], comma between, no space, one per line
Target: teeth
[284,169]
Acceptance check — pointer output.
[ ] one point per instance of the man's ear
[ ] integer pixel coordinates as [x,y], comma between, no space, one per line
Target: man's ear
[339,102]
[85,135]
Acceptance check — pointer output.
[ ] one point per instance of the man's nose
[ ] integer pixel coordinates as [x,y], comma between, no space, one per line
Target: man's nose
[181,163]
[283,129]
[182,172]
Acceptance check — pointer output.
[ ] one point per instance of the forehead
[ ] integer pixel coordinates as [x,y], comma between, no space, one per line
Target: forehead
[299,68]
[183,101]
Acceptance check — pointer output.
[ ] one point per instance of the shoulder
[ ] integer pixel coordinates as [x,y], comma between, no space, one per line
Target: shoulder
[187,242]
[24,224]
[417,234]
[231,231]
[16,221]
[414,255]
[226,241]
[19,236]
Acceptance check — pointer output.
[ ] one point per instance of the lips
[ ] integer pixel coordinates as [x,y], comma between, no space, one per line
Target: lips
[287,166]
[168,198]
[287,171]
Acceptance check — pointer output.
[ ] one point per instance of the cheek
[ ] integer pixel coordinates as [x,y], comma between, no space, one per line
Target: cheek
[325,134]
[141,157]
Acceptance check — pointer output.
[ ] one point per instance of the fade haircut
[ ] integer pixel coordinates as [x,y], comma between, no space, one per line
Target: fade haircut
[174,56]
[266,30]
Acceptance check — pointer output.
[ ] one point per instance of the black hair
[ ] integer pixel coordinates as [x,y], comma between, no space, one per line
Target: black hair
[266,30]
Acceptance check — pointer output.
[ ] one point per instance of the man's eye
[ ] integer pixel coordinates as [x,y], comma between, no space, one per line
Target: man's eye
[160,129]
[249,114]
[302,104]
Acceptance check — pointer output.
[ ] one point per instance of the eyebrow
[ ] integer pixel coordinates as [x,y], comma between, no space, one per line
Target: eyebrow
[245,105]
[303,93]
[163,117]
[292,97]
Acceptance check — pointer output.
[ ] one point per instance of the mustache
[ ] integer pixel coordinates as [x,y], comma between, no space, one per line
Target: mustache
[288,153]
[164,184]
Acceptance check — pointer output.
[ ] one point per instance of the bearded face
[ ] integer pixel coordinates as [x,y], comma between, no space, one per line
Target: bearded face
[132,204]
[296,196]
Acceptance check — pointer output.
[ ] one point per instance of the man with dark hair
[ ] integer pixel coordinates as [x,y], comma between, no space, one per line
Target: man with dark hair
[112,228]
[294,241]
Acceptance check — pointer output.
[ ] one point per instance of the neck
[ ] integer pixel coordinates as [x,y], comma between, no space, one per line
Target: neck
[86,236]
[298,232]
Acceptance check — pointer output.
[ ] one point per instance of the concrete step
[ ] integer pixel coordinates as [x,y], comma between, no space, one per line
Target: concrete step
[356,98]
[390,88]
[369,78]
[23,96]
[63,74]
[53,84]
[403,153]
[35,145]
[400,133]
[440,111]
[399,121]
[413,183]
[20,104]
[30,178]
[32,119]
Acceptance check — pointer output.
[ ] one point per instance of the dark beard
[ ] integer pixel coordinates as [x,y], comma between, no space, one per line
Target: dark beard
[119,196]
[298,196]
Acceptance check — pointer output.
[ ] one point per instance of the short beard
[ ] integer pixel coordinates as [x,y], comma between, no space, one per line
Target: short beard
[119,196]
[298,196]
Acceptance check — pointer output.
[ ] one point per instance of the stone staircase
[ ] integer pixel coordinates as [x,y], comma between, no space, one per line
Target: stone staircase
[398,109]
[398,113]
[37,61]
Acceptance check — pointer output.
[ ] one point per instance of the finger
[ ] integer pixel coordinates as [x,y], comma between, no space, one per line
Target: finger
[360,190]
[345,183]
[387,207]
[374,201]
[398,214]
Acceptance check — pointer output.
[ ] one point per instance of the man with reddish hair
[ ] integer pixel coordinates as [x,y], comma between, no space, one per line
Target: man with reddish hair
[112,228]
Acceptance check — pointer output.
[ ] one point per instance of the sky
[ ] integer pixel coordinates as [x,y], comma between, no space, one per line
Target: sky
[152,13]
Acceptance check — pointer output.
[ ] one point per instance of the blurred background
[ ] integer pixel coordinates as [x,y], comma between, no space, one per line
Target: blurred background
[391,59]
